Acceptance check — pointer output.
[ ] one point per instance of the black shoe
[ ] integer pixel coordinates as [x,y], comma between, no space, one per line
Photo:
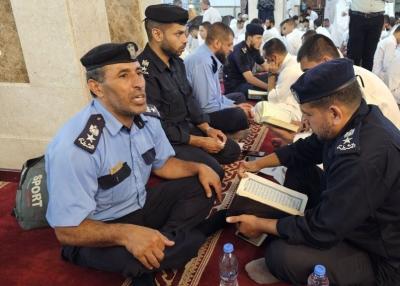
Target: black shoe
[214,223]
[147,279]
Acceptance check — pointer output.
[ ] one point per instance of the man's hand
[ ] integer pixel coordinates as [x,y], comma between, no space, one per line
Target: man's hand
[209,179]
[211,145]
[286,136]
[146,244]
[273,67]
[216,134]
[247,167]
[248,109]
[247,224]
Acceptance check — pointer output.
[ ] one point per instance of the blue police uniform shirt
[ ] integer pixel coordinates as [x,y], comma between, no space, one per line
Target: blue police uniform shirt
[73,173]
[202,71]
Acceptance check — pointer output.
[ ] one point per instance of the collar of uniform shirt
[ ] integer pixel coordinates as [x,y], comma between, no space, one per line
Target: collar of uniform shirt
[358,115]
[152,56]
[112,124]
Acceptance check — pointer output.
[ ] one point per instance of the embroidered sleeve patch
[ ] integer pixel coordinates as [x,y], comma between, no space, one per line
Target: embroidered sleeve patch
[90,135]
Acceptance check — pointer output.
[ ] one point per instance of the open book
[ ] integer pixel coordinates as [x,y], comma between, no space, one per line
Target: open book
[276,115]
[257,94]
[272,194]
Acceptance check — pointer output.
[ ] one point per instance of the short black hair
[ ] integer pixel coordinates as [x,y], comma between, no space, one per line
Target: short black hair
[96,74]
[256,21]
[308,34]
[218,31]
[206,25]
[193,27]
[350,96]
[274,46]
[392,21]
[316,47]
[151,24]
[271,20]
[289,21]
[317,22]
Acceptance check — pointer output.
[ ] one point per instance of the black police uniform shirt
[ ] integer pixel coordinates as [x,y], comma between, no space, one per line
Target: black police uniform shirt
[241,60]
[361,201]
[168,89]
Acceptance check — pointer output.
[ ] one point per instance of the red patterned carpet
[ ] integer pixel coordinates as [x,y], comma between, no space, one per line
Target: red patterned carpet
[33,257]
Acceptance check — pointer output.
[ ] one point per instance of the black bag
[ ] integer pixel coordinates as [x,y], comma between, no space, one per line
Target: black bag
[32,195]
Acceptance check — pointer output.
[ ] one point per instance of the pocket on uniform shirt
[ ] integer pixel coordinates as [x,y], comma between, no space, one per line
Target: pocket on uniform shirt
[176,102]
[149,156]
[111,180]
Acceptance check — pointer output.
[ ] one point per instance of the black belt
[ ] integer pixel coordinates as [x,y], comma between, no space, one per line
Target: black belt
[367,15]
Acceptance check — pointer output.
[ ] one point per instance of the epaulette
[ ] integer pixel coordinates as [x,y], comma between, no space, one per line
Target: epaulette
[145,65]
[350,142]
[152,111]
[90,135]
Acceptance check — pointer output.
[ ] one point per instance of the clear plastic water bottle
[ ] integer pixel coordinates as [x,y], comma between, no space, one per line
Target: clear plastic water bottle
[228,267]
[318,277]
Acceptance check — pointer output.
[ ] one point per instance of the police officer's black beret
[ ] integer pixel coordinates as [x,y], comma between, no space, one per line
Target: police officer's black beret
[254,29]
[110,53]
[323,80]
[167,13]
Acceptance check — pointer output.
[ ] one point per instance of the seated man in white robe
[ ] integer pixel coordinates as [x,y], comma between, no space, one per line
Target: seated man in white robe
[270,31]
[292,34]
[385,55]
[284,71]
[319,49]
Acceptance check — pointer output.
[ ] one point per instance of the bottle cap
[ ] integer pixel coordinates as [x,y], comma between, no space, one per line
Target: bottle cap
[228,247]
[319,270]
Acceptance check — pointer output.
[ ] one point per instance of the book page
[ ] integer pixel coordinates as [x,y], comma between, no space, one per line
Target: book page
[272,194]
[257,92]
[274,114]
[272,110]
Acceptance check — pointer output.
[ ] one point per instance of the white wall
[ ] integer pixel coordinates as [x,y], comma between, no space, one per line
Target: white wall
[54,34]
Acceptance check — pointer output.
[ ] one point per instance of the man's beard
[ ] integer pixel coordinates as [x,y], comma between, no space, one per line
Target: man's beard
[221,57]
[325,133]
[169,51]
[253,48]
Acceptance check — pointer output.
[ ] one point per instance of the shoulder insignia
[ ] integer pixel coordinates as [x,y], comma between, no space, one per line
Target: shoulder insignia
[145,65]
[244,50]
[349,142]
[152,111]
[90,135]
